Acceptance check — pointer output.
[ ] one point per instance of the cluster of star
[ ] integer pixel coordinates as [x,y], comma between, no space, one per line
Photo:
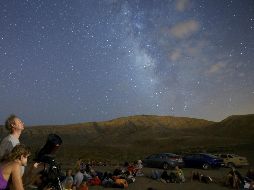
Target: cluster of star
[67,62]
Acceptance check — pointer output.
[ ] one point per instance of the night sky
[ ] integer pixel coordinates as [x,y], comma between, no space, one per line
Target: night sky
[71,61]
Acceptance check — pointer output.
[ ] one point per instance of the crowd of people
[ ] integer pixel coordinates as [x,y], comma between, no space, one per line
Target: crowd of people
[85,175]
[235,180]
[175,176]
[121,177]
[14,159]
[14,173]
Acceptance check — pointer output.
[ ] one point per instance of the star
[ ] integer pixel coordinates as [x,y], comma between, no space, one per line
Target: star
[128,58]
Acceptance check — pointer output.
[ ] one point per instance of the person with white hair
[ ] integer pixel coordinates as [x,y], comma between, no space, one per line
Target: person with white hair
[139,167]
[15,126]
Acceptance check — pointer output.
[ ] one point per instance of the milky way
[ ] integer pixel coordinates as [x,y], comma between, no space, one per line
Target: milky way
[76,61]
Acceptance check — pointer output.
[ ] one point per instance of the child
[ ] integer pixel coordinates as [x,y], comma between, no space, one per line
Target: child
[11,167]
[68,181]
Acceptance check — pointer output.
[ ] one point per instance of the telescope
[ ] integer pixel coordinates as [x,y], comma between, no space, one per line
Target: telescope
[48,150]
[51,173]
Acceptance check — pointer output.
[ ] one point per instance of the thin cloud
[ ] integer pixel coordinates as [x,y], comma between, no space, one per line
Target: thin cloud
[175,55]
[196,48]
[187,48]
[216,68]
[184,29]
[182,5]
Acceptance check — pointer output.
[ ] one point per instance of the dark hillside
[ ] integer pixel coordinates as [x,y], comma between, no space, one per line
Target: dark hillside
[236,126]
[136,136]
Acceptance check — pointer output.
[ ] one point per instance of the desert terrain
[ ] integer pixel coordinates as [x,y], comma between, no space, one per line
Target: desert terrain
[135,137]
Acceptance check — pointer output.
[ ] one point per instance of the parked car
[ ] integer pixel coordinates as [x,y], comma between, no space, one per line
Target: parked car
[202,160]
[163,160]
[233,160]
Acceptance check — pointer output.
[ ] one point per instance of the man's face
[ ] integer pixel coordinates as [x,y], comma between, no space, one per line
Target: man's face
[18,124]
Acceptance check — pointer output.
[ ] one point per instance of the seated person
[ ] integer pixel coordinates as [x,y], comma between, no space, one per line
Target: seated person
[68,181]
[10,168]
[120,183]
[138,167]
[179,175]
[197,175]
[249,179]
[78,178]
[68,184]
[250,174]
[83,186]
[165,178]
[234,179]
[130,168]
[79,165]
[107,180]
[156,174]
